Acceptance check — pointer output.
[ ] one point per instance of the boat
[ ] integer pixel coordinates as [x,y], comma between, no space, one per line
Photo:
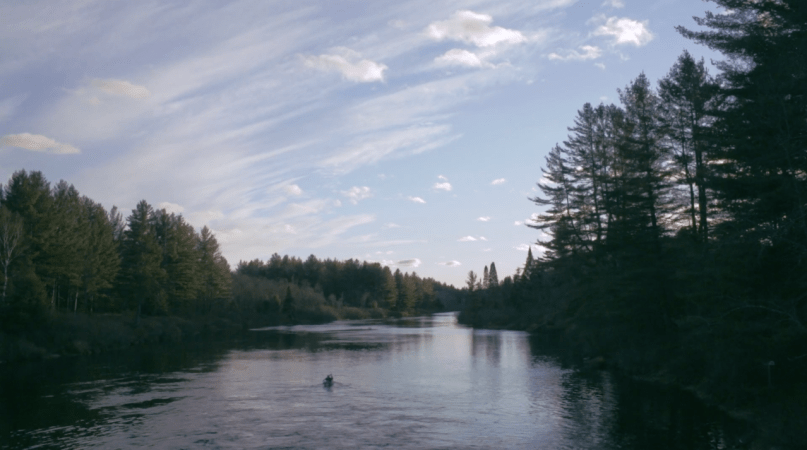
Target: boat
[328,381]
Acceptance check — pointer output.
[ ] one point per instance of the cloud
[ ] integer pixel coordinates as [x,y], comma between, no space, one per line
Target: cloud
[171,207]
[600,65]
[624,30]
[450,263]
[473,28]
[484,219]
[357,193]
[441,177]
[518,223]
[614,3]
[461,57]
[38,143]
[498,181]
[387,226]
[467,239]
[292,189]
[443,186]
[363,71]
[589,52]
[416,199]
[409,262]
[121,87]
[483,238]
[524,247]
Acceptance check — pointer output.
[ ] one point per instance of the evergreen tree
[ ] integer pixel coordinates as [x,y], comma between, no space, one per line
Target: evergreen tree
[688,94]
[141,277]
[213,270]
[100,260]
[11,245]
[485,278]
[493,277]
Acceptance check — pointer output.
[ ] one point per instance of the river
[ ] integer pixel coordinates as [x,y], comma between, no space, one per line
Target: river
[419,383]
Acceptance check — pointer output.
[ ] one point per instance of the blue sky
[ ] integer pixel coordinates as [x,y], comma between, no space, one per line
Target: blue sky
[405,132]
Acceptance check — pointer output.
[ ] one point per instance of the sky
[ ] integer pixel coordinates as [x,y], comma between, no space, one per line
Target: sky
[408,132]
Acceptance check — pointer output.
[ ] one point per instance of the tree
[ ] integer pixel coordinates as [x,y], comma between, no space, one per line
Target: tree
[213,269]
[141,256]
[485,278]
[471,281]
[687,94]
[493,277]
[100,260]
[11,234]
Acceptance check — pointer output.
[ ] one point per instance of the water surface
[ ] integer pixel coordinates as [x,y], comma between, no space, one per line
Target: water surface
[412,383]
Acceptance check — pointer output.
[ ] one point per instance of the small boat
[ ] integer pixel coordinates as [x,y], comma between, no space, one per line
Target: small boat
[328,381]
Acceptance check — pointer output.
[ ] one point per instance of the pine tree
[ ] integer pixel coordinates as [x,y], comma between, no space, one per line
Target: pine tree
[493,277]
[141,276]
[485,278]
[100,260]
[213,270]
[687,95]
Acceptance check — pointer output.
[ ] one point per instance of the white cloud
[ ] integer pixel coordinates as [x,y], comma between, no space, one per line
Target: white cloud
[454,263]
[409,262]
[484,219]
[362,71]
[483,238]
[441,177]
[588,52]
[600,65]
[614,3]
[292,189]
[387,226]
[518,223]
[38,143]
[171,207]
[461,57]
[523,247]
[121,87]
[467,239]
[443,186]
[498,181]
[473,28]
[624,30]
[416,199]
[357,193]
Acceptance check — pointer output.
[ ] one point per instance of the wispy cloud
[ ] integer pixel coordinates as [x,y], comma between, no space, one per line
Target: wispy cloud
[416,199]
[453,263]
[446,186]
[390,225]
[355,194]
[123,88]
[588,52]
[498,181]
[38,143]
[483,219]
[623,30]
[349,64]
[467,239]
[408,262]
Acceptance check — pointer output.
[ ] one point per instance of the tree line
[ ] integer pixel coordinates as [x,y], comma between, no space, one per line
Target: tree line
[677,220]
[288,285]
[61,251]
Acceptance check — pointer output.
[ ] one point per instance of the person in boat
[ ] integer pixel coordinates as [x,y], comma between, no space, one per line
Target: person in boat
[328,381]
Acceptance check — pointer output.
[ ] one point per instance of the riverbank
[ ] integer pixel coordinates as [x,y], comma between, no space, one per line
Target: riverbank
[59,334]
[776,415]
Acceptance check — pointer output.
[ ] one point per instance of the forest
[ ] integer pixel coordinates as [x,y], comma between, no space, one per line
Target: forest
[77,278]
[674,225]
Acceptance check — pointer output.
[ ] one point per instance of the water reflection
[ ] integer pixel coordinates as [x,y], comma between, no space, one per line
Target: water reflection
[411,383]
